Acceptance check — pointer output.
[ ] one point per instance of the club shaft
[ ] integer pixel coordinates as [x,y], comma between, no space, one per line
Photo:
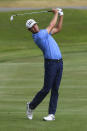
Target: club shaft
[32,13]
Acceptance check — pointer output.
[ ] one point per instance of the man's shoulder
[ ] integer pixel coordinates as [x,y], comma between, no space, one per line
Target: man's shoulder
[43,32]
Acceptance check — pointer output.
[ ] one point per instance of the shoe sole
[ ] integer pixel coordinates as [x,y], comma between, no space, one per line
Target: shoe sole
[48,120]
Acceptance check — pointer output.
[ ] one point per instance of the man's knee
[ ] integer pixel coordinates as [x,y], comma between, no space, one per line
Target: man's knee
[45,90]
[55,91]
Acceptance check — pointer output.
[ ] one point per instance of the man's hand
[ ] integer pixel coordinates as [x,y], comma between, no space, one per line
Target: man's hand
[60,11]
[55,11]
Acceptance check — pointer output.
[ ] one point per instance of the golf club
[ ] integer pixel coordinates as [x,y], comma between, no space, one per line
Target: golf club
[12,17]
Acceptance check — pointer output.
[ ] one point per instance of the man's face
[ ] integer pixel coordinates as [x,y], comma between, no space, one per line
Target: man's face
[34,28]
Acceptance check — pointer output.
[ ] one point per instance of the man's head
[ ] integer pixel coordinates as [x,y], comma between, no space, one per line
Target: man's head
[32,26]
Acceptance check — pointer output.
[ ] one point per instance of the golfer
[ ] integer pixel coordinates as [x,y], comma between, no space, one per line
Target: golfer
[53,63]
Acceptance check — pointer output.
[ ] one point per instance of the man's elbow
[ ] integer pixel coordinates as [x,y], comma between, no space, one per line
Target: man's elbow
[59,29]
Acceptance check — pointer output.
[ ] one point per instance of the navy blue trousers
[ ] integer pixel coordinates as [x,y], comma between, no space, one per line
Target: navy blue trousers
[52,79]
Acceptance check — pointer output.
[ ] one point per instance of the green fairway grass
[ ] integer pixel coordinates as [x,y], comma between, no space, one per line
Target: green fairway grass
[22,72]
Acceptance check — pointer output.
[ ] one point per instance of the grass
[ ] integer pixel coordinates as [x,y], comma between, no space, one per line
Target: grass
[40,3]
[40,0]
[21,74]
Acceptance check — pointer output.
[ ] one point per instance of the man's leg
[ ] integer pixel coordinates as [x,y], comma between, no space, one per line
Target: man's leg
[48,83]
[54,90]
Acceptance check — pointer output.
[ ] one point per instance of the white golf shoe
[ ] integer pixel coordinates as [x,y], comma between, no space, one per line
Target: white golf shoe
[29,112]
[50,117]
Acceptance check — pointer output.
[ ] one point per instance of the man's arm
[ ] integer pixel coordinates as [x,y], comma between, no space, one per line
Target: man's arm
[58,27]
[53,22]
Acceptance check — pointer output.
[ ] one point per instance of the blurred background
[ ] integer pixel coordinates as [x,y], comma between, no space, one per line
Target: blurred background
[22,66]
[42,3]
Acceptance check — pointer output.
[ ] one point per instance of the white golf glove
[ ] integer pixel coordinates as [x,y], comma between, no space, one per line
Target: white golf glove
[60,12]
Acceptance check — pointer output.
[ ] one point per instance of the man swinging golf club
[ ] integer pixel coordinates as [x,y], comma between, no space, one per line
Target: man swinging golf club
[53,63]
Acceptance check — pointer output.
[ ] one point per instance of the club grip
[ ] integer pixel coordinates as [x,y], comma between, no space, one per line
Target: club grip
[50,11]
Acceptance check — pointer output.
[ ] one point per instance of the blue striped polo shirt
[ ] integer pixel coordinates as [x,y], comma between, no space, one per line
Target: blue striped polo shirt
[47,44]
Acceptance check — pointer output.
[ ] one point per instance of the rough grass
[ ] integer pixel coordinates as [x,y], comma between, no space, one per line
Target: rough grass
[21,74]
[42,3]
